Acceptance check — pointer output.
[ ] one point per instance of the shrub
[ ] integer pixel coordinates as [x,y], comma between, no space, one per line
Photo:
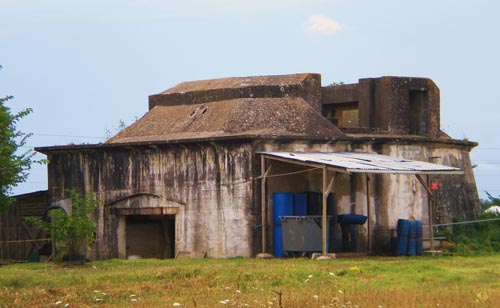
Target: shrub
[70,232]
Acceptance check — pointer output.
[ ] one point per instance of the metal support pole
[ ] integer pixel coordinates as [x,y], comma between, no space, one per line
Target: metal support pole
[368,213]
[430,198]
[431,218]
[323,214]
[264,173]
[263,201]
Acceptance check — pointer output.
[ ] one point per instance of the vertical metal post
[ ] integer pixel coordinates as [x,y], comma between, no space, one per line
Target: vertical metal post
[430,197]
[263,201]
[429,200]
[323,214]
[368,213]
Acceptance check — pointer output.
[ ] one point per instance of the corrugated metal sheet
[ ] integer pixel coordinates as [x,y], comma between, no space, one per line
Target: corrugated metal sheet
[362,162]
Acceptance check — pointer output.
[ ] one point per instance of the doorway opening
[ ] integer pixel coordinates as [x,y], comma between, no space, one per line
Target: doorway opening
[418,113]
[150,236]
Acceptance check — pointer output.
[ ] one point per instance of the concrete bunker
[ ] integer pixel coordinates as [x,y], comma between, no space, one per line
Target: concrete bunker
[198,144]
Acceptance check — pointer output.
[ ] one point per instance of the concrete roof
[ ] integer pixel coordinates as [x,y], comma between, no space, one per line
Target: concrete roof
[238,82]
[263,117]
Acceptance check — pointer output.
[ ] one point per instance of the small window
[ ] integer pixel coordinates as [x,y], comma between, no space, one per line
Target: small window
[350,118]
[343,115]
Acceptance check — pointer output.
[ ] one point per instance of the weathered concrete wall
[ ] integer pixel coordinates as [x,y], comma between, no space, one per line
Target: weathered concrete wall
[209,187]
[208,184]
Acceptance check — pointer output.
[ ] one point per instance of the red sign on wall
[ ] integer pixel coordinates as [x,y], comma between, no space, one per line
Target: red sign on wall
[435,185]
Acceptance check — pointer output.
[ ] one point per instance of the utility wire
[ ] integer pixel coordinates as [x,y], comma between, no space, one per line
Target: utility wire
[464,222]
[69,136]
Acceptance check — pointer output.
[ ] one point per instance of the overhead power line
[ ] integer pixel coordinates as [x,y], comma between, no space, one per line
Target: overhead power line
[69,136]
[487,162]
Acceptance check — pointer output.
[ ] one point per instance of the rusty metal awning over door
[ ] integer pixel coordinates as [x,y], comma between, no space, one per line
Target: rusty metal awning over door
[362,162]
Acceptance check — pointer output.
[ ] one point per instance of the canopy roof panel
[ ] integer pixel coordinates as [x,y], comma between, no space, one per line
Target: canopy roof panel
[362,162]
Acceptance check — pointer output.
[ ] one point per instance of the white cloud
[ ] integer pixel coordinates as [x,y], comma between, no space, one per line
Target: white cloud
[325,25]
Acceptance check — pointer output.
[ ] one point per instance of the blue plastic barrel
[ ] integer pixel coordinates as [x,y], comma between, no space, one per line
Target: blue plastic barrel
[412,247]
[402,245]
[278,242]
[412,230]
[419,228]
[300,204]
[352,219]
[403,227]
[282,206]
[419,249]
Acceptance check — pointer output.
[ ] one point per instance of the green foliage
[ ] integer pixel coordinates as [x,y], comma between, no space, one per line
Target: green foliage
[334,84]
[486,203]
[13,166]
[477,238]
[70,231]
[344,282]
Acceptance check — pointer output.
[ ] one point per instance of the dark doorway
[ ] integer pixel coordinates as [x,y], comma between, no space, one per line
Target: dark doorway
[150,236]
[418,113]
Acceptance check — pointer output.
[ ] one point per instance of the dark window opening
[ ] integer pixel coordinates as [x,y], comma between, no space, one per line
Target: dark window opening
[418,113]
[343,115]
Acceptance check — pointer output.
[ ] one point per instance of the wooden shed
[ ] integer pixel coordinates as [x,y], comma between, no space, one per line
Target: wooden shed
[17,238]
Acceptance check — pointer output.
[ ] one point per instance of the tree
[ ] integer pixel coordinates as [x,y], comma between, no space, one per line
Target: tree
[13,166]
[71,233]
[491,201]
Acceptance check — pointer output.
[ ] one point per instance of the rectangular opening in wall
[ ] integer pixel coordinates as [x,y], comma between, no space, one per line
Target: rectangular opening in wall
[418,113]
[150,236]
[343,115]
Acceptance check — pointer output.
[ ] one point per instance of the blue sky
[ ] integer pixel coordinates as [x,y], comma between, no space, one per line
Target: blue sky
[84,66]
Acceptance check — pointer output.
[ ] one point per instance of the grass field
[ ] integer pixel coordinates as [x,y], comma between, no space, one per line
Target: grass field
[364,282]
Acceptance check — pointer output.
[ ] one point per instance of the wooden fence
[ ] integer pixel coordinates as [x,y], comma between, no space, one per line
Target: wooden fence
[17,238]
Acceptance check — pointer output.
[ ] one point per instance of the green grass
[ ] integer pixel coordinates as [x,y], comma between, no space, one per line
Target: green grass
[364,282]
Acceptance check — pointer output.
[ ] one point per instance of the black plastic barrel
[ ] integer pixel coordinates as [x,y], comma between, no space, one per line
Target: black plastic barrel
[314,203]
[349,237]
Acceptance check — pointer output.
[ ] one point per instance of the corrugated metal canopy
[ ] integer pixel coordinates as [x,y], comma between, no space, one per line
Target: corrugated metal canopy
[362,162]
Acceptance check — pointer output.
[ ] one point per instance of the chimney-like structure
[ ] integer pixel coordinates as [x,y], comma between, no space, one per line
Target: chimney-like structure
[394,105]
